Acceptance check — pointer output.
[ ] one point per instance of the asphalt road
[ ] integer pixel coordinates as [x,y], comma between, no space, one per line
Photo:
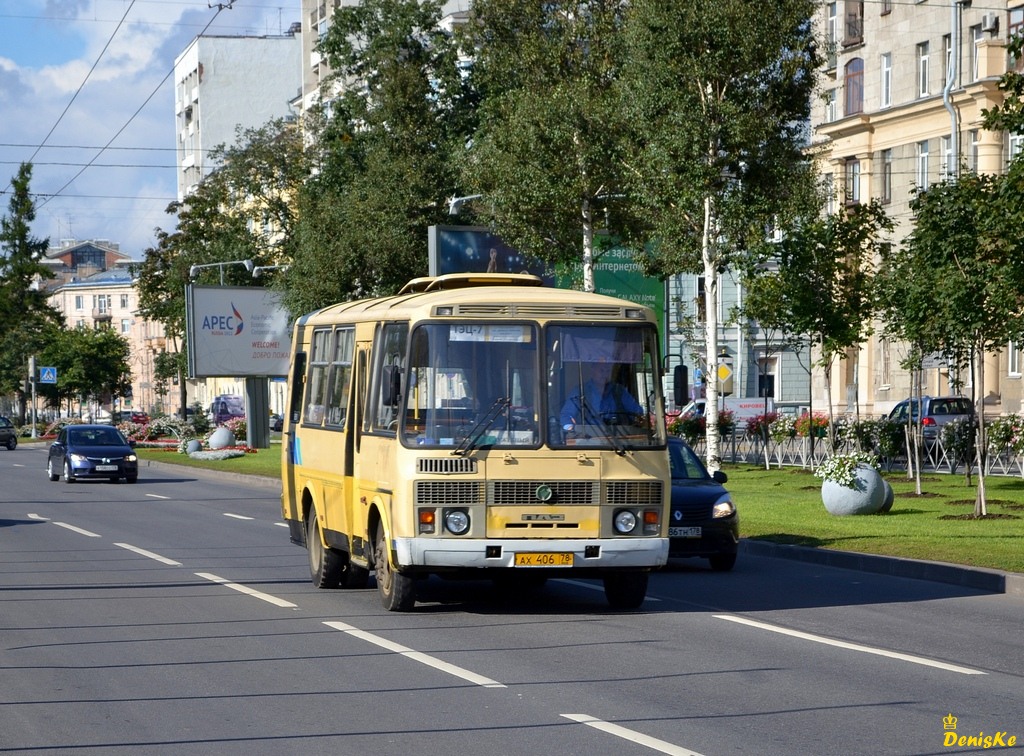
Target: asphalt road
[175,617]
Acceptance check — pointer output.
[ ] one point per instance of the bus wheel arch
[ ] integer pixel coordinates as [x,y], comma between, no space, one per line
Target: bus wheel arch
[626,589]
[397,591]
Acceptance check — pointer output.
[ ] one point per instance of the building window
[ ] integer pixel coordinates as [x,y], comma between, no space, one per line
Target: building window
[887,176]
[832,41]
[126,326]
[886,8]
[1016,143]
[946,168]
[700,301]
[922,69]
[976,37]
[852,182]
[1012,359]
[973,156]
[830,194]
[947,57]
[830,106]
[124,301]
[854,84]
[886,89]
[79,301]
[854,22]
[1015,28]
[922,165]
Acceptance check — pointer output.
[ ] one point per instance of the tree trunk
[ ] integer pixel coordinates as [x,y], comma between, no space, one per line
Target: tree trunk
[709,258]
[980,504]
[588,247]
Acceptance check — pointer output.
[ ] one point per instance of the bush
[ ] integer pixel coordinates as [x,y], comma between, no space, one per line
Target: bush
[758,427]
[807,424]
[782,428]
[958,438]
[839,468]
[693,426]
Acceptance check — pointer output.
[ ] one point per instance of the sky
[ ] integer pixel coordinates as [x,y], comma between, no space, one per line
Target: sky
[87,96]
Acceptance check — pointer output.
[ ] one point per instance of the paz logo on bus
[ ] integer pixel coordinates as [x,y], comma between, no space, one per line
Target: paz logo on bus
[224,325]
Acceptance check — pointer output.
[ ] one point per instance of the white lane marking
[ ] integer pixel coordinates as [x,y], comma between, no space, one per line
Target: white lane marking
[247,591]
[157,496]
[852,646]
[238,517]
[33,516]
[430,661]
[661,746]
[281,524]
[77,530]
[149,554]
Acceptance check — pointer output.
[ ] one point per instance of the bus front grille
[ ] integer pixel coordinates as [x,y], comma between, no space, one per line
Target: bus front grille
[522,492]
[446,465]
[449,493]
[635,493]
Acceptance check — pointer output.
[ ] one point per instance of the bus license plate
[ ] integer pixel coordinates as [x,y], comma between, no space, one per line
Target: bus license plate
[684,532]
[106,468]
[548,559]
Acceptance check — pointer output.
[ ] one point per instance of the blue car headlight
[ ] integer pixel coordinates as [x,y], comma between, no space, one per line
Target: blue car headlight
[78,459]
[130,458]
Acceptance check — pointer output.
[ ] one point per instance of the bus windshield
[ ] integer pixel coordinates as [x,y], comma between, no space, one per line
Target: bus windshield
[473,384]
[602,386]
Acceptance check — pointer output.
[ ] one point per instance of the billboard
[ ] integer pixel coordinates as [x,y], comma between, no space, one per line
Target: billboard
[474,249]
[236,331]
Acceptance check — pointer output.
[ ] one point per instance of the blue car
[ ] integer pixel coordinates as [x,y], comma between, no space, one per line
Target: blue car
[703,521]
[92,451]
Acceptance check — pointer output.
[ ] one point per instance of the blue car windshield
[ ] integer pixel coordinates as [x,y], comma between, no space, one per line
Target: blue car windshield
[95,437]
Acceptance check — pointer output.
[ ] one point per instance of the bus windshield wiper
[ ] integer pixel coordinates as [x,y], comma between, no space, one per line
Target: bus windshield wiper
[477,431]
[595,419]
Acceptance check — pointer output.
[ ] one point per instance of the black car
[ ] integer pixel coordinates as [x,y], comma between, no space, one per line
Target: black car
[276,423]
[92,451]
[8,434]
[704,521]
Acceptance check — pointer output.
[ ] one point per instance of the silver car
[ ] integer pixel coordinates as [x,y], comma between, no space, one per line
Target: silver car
[938,411]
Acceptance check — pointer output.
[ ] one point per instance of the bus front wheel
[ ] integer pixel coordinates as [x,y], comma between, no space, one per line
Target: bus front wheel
[397,591]
[625,590]
[326,566]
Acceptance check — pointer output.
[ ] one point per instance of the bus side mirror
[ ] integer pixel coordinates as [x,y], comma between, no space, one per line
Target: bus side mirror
[680,385]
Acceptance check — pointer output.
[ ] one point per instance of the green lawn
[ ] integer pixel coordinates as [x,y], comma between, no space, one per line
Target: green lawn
[785,506]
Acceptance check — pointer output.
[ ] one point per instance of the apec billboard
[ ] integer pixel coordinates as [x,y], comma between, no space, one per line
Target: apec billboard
[236,331]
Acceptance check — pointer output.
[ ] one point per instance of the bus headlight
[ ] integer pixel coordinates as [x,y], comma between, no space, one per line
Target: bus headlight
[625,521]
[456,521]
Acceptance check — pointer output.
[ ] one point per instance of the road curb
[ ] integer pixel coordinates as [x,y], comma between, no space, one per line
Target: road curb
[201,472]
[993,581]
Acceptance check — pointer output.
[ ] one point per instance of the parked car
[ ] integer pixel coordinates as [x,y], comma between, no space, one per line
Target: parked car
[92,451]
[703,521]
[938,411]
[8,434]
[276,423]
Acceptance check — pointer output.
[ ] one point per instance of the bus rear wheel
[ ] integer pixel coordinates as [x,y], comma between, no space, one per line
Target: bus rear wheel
[326,565]
[397,591]
[625,590]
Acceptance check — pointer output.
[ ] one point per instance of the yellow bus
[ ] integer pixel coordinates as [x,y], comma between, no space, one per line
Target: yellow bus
[460,428]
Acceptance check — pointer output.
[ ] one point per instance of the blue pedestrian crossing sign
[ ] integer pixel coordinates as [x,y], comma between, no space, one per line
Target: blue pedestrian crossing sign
[48,375]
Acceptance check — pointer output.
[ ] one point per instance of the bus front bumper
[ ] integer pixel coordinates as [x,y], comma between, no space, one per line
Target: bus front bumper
[511,553]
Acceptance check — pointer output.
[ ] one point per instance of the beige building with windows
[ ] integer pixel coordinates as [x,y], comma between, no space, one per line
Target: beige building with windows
[900,107]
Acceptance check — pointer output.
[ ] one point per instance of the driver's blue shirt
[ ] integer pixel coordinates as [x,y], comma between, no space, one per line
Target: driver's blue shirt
[610,399]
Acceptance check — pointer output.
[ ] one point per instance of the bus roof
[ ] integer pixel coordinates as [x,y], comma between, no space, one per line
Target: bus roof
[482,295]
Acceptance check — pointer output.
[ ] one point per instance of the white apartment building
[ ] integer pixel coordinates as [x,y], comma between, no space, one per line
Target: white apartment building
[222,83]
[900,107]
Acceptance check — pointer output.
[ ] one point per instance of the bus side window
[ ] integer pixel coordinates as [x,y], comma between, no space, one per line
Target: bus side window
[391,343]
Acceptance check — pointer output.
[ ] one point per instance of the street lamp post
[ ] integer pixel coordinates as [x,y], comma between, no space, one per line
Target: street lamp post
[194,270]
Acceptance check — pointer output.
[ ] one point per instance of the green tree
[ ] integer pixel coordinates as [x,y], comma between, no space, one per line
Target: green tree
[25,316]
[825,270]
[548,157]
[382,154]
[716,95]
[955,287]
[91,364]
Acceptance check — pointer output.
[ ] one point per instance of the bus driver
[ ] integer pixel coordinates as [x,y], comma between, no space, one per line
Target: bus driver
[603,400]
